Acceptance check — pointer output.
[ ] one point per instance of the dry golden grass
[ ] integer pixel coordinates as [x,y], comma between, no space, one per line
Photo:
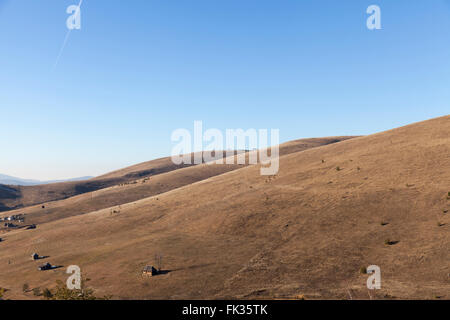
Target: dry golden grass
[304,233]
[134,183]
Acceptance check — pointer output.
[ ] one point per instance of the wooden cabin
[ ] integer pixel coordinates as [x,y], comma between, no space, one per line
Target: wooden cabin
[149,271]
[45,266]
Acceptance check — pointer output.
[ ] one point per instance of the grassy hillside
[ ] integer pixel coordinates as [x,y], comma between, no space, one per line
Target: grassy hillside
[125,185]
[382,199]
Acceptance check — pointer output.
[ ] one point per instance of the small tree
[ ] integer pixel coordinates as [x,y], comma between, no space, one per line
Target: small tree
[61,292]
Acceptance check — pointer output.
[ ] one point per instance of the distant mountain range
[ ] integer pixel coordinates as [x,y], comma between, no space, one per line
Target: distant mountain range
[5,179]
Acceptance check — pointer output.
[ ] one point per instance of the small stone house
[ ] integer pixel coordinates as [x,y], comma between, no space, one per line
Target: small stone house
[149,271]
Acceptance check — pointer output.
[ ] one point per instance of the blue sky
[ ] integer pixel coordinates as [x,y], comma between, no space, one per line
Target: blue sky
[139,69]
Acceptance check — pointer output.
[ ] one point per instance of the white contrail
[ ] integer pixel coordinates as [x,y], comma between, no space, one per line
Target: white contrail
[65,40]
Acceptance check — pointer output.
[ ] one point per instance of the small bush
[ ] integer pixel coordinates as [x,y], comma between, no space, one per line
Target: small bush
[47,293]
[363,270]
[37,292]
[338,168]
[61,292]
[25,288]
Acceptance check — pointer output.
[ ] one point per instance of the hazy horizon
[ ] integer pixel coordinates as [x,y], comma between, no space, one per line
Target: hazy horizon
[136,72]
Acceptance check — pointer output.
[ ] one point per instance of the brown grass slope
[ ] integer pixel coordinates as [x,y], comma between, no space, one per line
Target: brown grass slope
[12,197]
[15,197]
[143,187]
[306,231]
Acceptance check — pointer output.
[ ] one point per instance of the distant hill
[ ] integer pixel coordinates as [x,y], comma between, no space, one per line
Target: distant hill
[121,186]
[19,196]
[9,180]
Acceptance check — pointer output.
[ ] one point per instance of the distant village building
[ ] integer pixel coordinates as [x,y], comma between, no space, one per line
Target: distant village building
[10,225]
[14,217]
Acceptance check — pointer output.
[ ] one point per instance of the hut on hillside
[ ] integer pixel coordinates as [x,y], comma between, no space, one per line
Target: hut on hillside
[45,266]
[149,271]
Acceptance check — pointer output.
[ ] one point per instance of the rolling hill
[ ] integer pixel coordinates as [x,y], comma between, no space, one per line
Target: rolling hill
[306,232]
[121,186]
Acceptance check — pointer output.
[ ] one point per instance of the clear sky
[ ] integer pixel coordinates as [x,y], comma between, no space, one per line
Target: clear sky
[139,69]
